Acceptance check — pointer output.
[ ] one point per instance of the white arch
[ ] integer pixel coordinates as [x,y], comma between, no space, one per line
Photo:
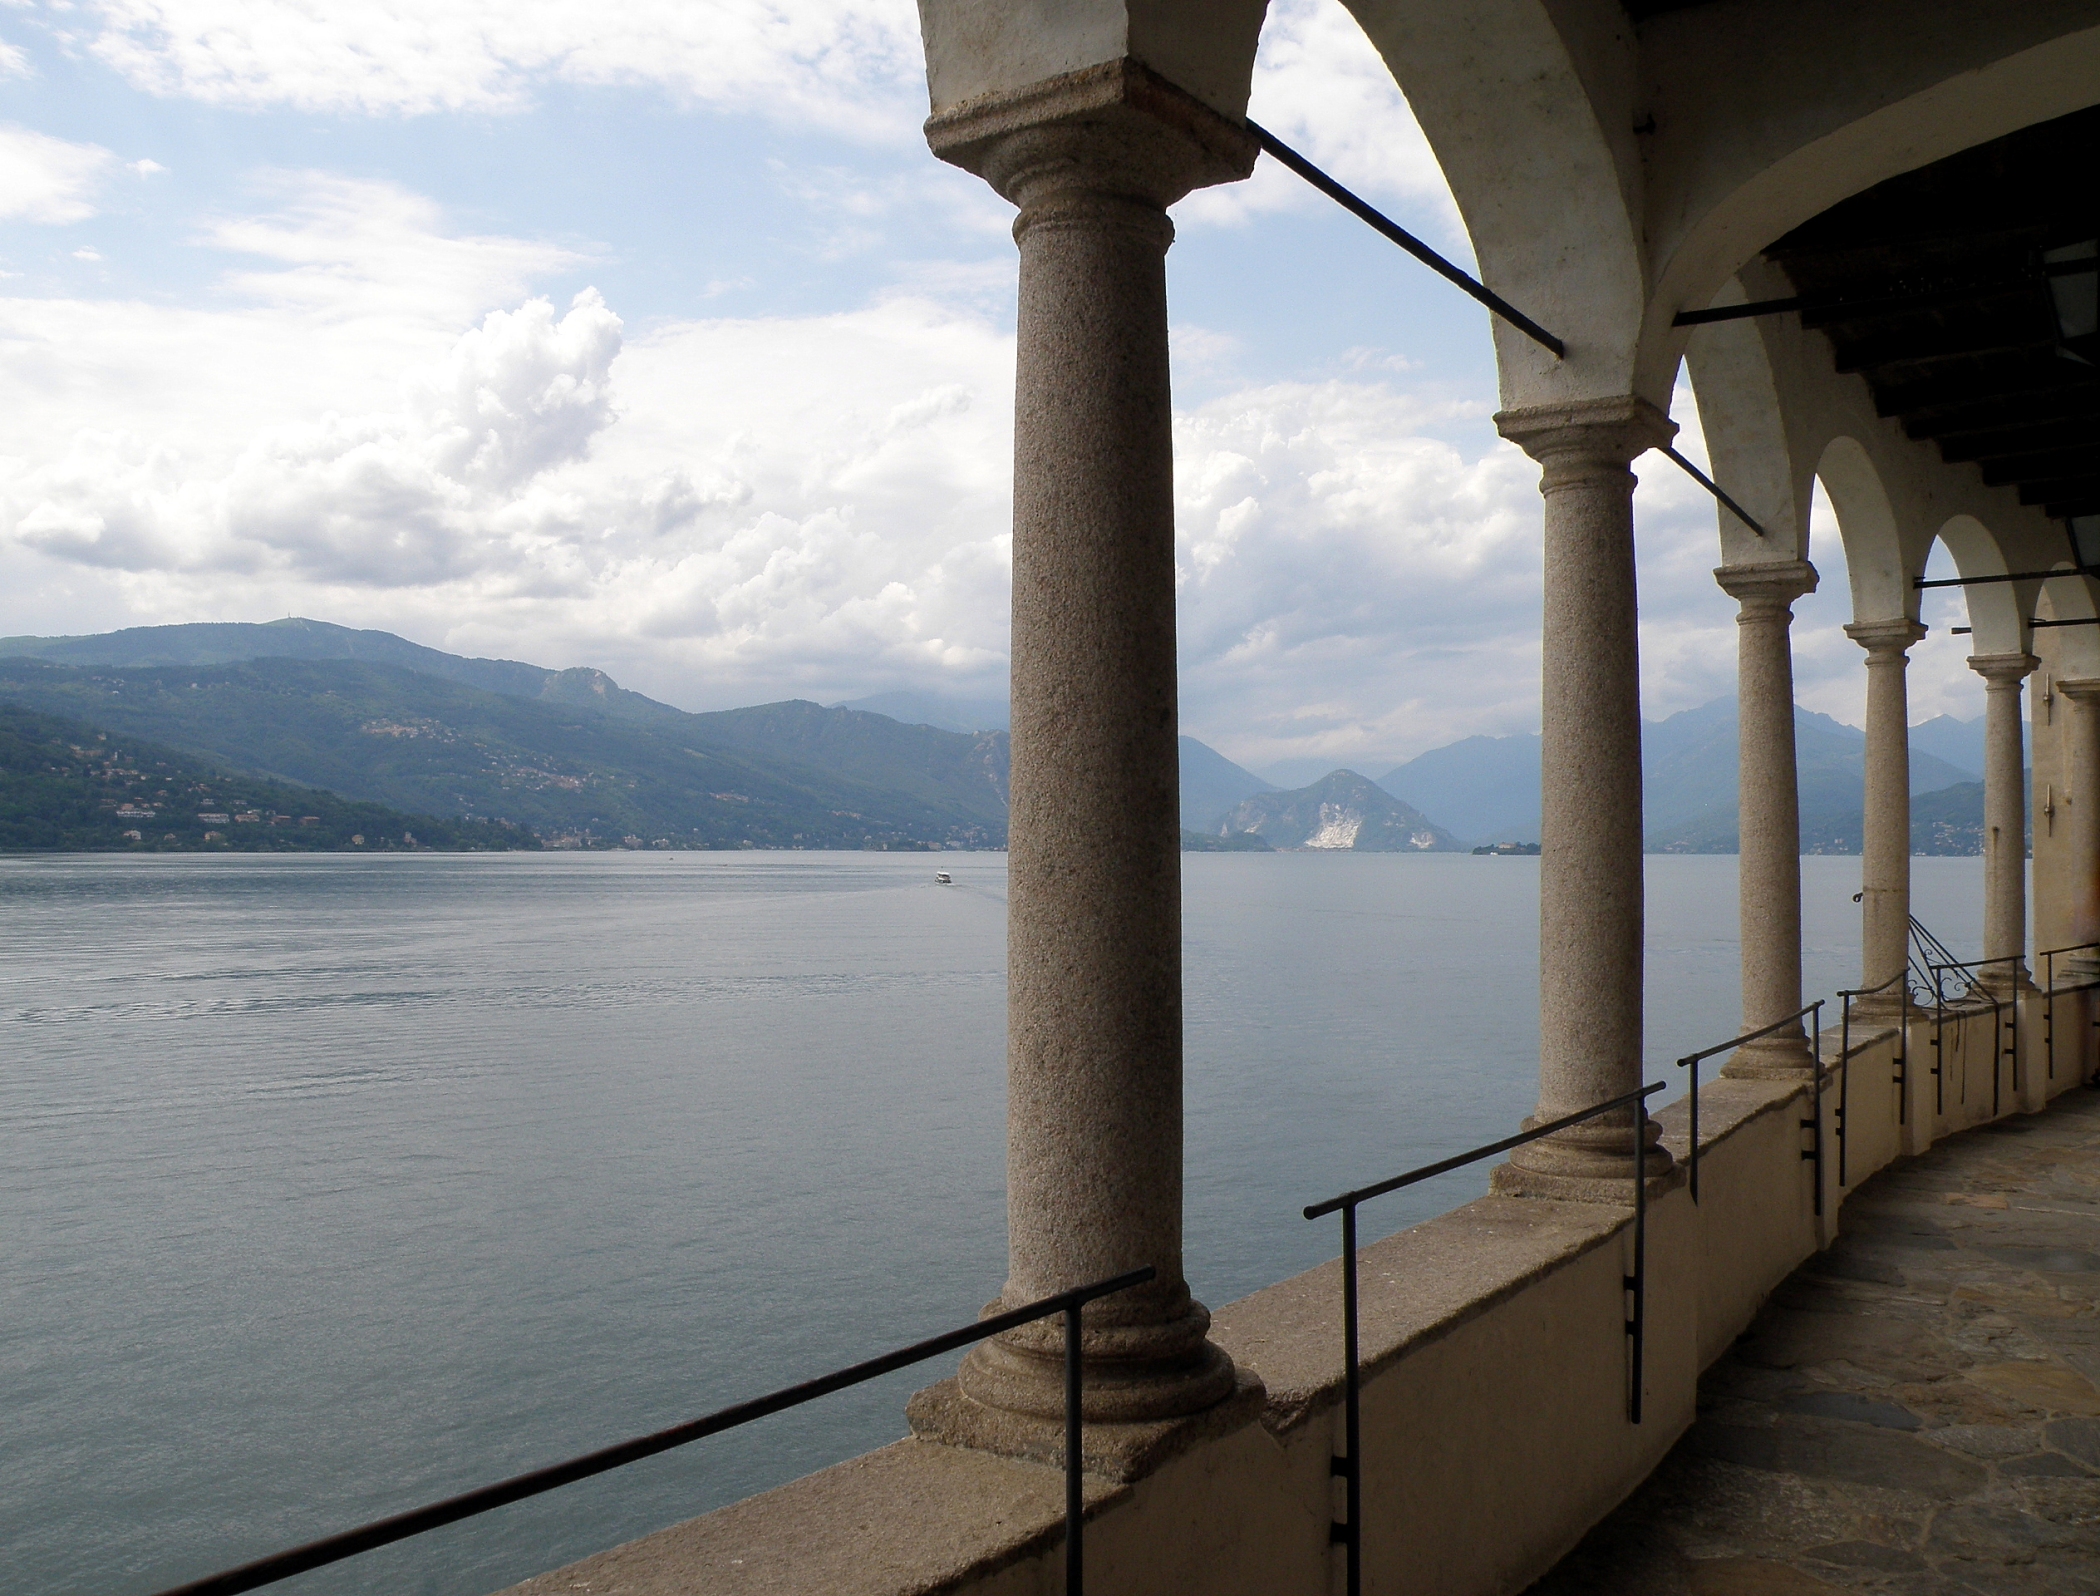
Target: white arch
[1998,611]
[1880,568]
[1747,444]
[1532,126]
[2072,597]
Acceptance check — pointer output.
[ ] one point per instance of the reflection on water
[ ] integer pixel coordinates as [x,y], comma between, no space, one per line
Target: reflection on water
[334,1185]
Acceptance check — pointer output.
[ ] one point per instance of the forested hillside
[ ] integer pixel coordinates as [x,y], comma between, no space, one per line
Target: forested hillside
[67,785]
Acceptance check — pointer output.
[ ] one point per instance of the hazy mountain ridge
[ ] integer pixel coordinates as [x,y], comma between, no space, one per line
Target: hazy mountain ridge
[1212,786]
[1692,765]
[945,757]
[1492,781]
[572,753]
[233,642]
[1342,810]
[567,768]
[1689,775]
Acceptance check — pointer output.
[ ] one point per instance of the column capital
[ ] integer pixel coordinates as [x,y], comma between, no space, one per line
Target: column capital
[1612,431]
[2080,689]
[1885,640]
[1767,585]
[1117,128]
[2003,670]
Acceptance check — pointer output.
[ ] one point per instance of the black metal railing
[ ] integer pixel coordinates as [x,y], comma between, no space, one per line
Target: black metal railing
[1634,1290]
[384,1532]
[1899,1066]
[2047,957]
[1977,991]
[1692,1061]
[1926,950]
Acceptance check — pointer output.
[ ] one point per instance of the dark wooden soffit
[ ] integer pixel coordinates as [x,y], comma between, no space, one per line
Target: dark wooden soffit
[1642,10]
[1971,362]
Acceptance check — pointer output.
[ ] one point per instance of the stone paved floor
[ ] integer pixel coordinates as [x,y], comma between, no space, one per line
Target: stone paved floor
[1916,1410]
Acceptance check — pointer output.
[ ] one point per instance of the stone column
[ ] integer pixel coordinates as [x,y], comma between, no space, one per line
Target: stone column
[1768,871]
[1884,951]
[1094,1112]
[2082,773]
[2004,819]
[1590,882]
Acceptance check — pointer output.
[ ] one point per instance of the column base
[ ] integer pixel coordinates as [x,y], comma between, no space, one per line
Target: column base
[1772,1058]
[1514,1180]
[947,1416]
[2003,987]
[1585,1164]
[1134,1374]
[1889,1008]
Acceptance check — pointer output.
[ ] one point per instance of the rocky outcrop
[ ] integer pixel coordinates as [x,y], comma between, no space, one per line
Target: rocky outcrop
[1340,810]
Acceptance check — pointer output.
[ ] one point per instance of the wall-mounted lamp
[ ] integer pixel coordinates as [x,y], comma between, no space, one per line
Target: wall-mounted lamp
[2074,291]
[2084,531]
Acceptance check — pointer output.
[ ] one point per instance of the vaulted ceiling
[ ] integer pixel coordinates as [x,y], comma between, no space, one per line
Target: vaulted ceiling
[1933,287]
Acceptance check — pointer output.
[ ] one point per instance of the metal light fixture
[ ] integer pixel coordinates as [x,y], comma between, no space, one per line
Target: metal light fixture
[2074,291]
[2084,531]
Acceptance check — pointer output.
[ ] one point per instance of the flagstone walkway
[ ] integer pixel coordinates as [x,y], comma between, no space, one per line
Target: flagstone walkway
[1916,1410]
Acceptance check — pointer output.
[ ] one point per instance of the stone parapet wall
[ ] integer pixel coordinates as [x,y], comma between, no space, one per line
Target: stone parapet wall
[1495,1379]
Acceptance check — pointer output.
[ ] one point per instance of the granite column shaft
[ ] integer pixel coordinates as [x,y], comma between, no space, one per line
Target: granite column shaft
[1885,839]
[1769,815]
[2004,819]
[1590,865]
[1094,1043]
[2082,772]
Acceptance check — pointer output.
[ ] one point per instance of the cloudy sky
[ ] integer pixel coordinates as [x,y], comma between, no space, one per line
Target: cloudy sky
[650,337]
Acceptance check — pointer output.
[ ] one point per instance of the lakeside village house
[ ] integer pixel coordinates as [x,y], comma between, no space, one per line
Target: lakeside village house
[1866,229]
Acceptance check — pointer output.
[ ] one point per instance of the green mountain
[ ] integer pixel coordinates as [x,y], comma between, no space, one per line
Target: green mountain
[579,762]
[1946,821]
[67,785]
[892,775]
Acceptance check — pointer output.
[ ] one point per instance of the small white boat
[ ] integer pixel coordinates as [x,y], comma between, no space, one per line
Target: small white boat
[944,878]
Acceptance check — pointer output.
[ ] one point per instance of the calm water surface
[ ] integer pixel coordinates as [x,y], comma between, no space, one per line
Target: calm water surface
[333,1185]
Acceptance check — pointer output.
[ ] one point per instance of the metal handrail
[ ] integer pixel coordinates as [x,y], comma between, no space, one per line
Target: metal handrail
[1976,990]
[1349,1466]
[2047,956]
[1924,949]
[1692,1061]
[1899,1066]
[385,1531]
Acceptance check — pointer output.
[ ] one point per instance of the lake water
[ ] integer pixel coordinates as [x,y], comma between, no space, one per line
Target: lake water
[334,1185]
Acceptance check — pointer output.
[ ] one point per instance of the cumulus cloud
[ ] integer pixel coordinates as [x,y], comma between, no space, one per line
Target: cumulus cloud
[1350,557]
[46,179]
[413,497]
[848,65]
[709,507]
